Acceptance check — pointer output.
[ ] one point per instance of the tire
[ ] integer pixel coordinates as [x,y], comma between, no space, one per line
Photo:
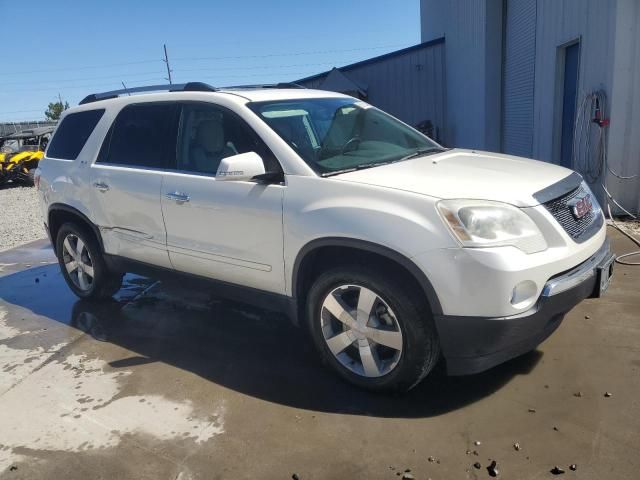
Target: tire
[30,181]
[395,310]
[103,283]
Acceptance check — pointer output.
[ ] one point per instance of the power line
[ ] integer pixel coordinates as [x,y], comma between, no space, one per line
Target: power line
[292,54]
[202,69]
[77,87]
[229,57]
[87,67]
[102,77]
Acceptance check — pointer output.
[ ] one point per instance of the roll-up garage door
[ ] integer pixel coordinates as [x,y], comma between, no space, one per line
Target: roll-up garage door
[518,77]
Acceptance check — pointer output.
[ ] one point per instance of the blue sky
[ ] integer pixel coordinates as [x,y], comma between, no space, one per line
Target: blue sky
[74,48]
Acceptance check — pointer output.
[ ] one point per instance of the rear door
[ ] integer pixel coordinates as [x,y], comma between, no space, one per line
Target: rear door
[226,230]
[127,180]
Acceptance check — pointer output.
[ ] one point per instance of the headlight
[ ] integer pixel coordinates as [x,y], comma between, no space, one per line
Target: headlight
[478,223]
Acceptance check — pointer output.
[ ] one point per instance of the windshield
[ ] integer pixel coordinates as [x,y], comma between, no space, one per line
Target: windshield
[341,134]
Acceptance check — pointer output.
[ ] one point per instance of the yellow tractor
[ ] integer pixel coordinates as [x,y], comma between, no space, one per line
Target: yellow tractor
[20,154]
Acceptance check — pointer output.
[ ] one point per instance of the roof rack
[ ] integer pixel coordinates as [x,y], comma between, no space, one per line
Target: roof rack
[264,85]
[176,87]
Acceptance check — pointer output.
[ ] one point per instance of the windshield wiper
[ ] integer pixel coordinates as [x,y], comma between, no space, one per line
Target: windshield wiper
[417,153]
[353,169]
[423,151]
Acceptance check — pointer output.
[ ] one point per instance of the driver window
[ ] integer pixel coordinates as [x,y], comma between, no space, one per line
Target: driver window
[208,134]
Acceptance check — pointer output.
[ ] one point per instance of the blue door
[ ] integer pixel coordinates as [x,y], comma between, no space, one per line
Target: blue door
[569,94]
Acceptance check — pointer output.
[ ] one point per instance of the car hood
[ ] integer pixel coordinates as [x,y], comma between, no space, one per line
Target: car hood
[465,174]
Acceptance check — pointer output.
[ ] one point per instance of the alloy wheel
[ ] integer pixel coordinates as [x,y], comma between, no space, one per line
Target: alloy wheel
[361,331]
[78,262]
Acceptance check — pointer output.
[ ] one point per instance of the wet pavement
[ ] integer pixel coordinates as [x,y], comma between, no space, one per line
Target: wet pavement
[167,383]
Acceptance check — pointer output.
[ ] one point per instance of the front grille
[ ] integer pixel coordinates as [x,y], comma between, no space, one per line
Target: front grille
[561,211]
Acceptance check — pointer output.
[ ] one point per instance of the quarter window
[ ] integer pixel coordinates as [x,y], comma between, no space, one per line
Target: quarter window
[72,133]
[143,135]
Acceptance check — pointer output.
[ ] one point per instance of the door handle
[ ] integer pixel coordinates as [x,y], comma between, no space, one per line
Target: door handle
[103,187]
[178,197]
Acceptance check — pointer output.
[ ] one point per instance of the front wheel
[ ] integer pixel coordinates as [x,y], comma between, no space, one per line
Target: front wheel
[82,264]
[372,331]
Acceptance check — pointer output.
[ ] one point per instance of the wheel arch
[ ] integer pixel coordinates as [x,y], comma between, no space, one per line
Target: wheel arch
[303,267]
[60,213]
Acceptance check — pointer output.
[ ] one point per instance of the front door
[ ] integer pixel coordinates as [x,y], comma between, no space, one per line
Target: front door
[569,98]
[226,230]
[127,178]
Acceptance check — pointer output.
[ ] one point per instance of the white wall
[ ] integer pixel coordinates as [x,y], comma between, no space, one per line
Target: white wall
[624,135]
[472,31]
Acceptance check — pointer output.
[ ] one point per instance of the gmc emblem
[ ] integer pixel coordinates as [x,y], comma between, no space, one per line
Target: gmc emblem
[580,206]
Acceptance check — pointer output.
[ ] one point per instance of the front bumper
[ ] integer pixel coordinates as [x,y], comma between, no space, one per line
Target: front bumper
[474,344]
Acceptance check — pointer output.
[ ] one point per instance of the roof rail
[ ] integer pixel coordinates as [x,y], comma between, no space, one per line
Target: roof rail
[264,85]
[176,87]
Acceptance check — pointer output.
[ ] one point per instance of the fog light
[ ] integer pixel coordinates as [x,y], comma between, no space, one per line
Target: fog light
[524,294]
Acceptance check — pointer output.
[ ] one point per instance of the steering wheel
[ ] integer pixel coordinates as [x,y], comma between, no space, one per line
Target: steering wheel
[352,142]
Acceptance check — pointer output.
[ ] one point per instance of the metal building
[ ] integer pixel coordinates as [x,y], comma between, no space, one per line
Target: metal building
[553,80]
[408,83]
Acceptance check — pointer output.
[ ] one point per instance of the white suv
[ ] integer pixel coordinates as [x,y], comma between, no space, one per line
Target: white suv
[393,251]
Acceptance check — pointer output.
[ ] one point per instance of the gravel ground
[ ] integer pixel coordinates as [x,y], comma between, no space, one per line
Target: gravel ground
[20,220]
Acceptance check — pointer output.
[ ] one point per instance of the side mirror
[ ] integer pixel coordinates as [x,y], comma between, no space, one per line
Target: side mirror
[240,168]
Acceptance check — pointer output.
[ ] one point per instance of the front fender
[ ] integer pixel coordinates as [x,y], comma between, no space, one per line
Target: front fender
[319,208]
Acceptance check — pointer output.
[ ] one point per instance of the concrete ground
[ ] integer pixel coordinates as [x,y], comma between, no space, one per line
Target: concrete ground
[170,384]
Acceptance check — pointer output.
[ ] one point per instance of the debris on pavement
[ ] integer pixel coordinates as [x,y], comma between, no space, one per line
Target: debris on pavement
[557,470]
[477,443]
[477,465]
[573,467]
[532,410]
[493,469]
[607,394]
[431,459]
[407,476]
[587,317]
[295,477]
[577,394]
[516,446]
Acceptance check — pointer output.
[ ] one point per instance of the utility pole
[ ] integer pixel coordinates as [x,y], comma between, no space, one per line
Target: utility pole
[166,60]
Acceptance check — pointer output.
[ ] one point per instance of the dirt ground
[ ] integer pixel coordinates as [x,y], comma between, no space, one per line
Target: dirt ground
[172,384]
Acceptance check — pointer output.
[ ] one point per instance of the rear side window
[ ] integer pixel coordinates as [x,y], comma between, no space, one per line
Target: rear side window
[142,135]
[73,133]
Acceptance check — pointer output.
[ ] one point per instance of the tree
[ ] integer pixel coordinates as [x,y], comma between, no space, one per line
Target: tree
[55,109]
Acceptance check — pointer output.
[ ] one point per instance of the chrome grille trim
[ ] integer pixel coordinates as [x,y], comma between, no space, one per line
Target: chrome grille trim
[579,229]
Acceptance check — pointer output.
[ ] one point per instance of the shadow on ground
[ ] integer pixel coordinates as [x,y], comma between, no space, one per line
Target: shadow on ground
[249,350]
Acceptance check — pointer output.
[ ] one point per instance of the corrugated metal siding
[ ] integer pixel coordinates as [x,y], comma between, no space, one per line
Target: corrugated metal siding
[624,132]
[410,86]
[559,22]
[519,77]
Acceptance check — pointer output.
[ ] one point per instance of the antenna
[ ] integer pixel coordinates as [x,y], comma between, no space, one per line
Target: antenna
[126,89]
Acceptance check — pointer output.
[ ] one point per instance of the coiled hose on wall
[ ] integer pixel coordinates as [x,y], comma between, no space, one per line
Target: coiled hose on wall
[590,157]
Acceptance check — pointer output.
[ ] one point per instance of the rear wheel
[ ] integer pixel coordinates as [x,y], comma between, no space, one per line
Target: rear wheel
[82,264]
[372,331]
